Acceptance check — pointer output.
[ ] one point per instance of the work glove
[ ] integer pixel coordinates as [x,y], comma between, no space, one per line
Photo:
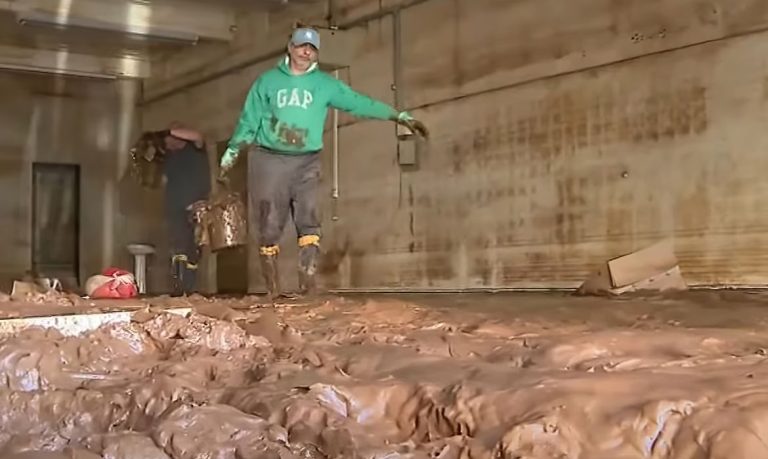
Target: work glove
[228,159]
[222,178]
[413,124]
[227,162]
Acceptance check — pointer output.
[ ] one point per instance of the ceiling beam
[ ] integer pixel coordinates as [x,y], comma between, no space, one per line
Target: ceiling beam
[174,20]
[64,63]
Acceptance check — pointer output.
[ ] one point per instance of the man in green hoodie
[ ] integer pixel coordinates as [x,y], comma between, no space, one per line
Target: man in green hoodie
[282,125]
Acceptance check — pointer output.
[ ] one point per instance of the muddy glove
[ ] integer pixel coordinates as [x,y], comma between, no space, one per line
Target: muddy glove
[413,124]
[227,162]
[222,178]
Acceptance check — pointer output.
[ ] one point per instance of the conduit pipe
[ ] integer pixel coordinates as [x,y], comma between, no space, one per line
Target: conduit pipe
[335,159]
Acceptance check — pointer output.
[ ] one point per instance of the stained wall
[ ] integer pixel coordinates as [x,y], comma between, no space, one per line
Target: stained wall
[563,133]
[82,122]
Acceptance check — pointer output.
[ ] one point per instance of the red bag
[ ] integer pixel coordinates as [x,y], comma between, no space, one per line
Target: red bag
[112,283]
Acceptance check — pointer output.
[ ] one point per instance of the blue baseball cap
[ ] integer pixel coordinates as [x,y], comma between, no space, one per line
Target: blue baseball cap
[304,35]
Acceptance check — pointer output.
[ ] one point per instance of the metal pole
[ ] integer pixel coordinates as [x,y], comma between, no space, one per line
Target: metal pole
[397,58]
[335,188]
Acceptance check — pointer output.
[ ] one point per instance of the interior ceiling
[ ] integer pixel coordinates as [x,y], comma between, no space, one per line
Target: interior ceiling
[91,41]
[106,44]
[94,42]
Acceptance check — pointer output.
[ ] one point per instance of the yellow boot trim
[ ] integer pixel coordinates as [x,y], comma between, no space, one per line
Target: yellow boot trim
[310,239]
[179,258]
[191,266]
[271,250]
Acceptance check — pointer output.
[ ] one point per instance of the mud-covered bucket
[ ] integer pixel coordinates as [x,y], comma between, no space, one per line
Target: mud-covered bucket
[229,226]
[220,222]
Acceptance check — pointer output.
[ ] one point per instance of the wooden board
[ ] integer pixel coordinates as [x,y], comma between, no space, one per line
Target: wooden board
[74,324]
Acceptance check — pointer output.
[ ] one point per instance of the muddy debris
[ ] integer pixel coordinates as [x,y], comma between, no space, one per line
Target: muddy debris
[390,378]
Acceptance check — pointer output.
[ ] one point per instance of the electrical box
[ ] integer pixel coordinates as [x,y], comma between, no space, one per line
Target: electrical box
[410,150]
[406,152]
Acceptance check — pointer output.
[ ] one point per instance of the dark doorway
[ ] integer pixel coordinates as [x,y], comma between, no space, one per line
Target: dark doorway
[56,222]
[232,264]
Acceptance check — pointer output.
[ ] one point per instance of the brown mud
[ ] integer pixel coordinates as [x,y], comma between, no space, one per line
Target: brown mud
[443,376]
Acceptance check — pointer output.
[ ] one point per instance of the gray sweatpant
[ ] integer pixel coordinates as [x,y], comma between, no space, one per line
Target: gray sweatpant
[280,185]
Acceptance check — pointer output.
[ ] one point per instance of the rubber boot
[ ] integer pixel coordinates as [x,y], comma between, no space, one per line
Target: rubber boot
[189,279]
[178,266]
[307,268]
[271,277]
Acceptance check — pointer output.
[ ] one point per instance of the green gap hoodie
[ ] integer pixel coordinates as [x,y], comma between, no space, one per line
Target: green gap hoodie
[286,112]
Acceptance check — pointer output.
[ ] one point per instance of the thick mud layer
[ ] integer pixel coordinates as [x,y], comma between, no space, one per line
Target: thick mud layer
[515,376]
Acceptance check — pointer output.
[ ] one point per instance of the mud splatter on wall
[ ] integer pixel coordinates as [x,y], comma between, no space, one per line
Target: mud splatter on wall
[563,133]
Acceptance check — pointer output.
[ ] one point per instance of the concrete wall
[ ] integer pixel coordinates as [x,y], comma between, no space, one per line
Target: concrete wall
[564,133]
[72,121]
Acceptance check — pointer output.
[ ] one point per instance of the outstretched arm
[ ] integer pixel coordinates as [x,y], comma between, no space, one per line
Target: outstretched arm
[247,125]
[347,99]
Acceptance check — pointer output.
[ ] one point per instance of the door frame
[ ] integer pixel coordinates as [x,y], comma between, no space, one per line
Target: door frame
[42,165]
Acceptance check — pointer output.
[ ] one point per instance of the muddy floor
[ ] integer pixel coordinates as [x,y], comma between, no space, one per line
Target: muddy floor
[418,376]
